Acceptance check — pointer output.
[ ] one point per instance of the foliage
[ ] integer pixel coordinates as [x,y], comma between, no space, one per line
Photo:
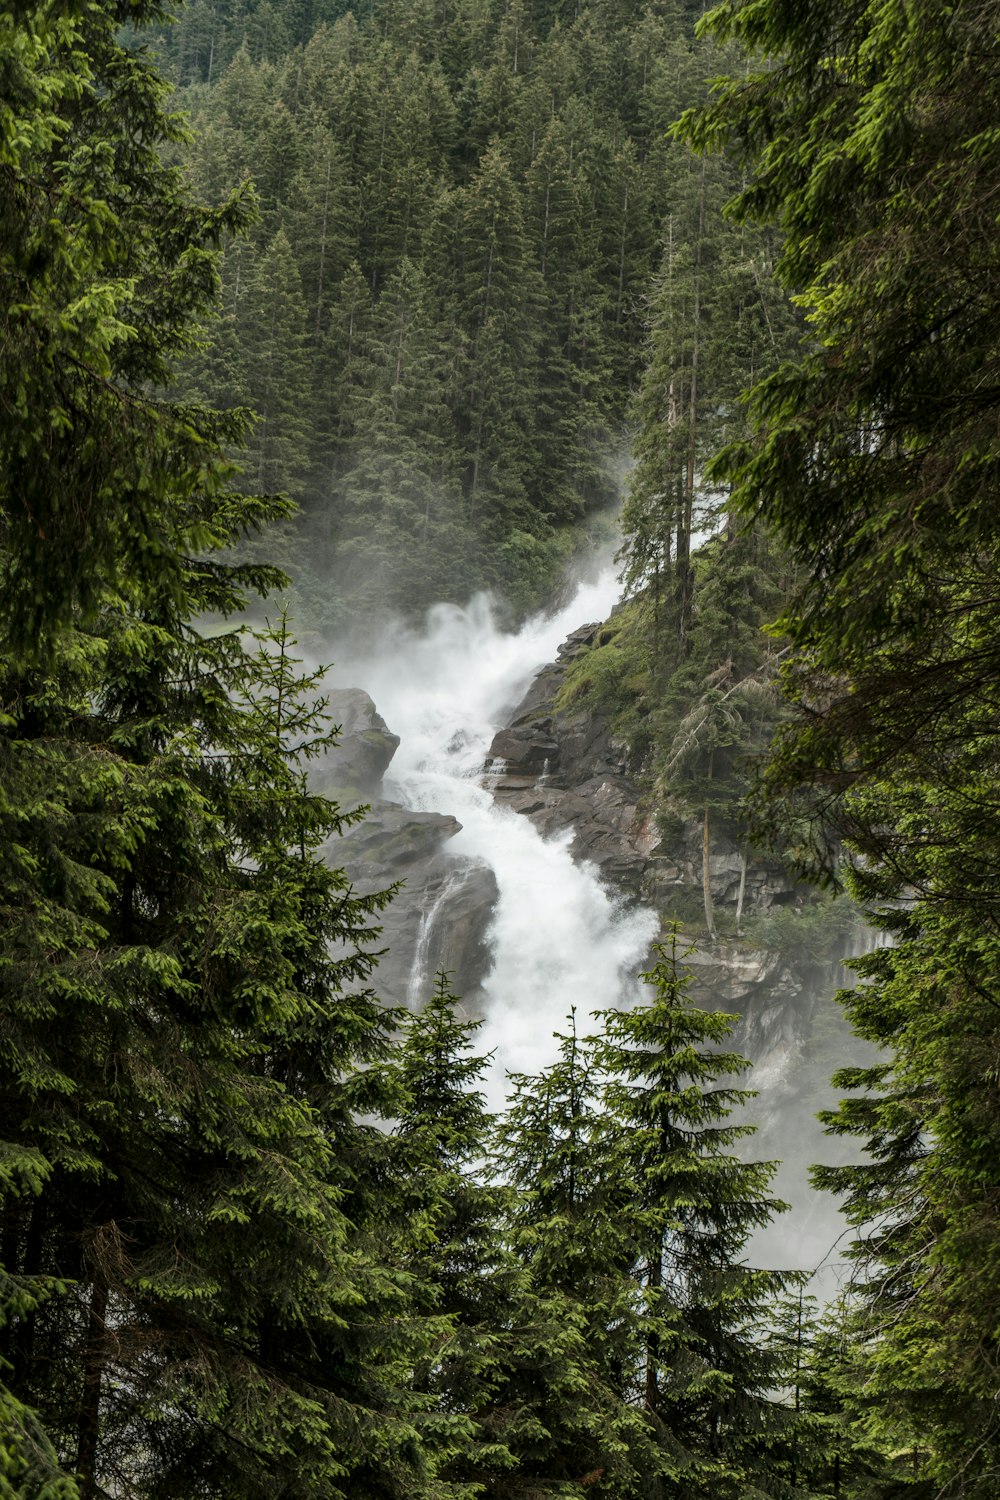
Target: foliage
[190,1303]
[250,1243]
[817,930]
[632,1203]
[715,321]
[697,719]
[101,284]
[869,134]
[472,197]
[569,1229]
[705,1374]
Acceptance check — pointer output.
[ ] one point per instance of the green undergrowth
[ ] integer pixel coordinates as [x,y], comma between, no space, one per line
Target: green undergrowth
[614,677]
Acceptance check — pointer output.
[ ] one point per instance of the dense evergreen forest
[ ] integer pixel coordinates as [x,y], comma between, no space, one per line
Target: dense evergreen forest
[391,311]
[439,314]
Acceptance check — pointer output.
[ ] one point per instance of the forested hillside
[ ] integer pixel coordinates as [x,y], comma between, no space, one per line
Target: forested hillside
[871,139]
[249,1244]
[471,216]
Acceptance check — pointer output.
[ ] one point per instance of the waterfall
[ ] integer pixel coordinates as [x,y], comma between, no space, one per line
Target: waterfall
[558,938]
[421,977]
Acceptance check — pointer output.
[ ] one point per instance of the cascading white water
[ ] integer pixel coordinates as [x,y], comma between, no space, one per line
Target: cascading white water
[421,977]
[558,938]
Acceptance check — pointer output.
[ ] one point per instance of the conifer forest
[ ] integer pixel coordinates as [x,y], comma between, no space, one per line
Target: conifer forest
[644,354]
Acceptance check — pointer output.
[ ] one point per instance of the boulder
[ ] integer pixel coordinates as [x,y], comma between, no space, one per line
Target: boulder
[440,913]
[352,769]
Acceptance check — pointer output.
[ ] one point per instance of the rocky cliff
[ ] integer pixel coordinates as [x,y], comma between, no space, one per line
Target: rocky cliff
[561,766]
[441,910]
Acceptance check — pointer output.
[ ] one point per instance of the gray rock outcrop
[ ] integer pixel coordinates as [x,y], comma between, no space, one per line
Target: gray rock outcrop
[563,768]
[440,913]
[352,769]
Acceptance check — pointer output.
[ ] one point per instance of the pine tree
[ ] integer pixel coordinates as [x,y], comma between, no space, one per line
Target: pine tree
[833,1452]
[704,1375]
[451,1244]
[403,525]
[716,323]
[499,294]
[571,1229]
[717,711]
[103,260]
[176,1042]
[516,1409]
[272,339]
[319,220]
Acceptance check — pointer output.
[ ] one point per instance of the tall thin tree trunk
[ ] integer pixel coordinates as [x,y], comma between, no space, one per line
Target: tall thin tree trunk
[31,1265]
[10,1258]
[798,1388]
[671,516]
[684,573]
[90,1404]
[620,302]
[489,270]
[706,862]
[652,1383]
[545,226]
[322,250]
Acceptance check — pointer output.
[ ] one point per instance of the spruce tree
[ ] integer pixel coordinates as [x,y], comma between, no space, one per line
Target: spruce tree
[703,1373]
[570,1228]
[192,1297]
[513,1408]
[272,336]
[448,1224]
[181,1064]
[384,139]
[500,372]
[104,262]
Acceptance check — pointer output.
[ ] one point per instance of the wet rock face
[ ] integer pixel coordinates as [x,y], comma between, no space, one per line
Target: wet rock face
[441,911]
[589,786]
[438,917]
[353,768]
[563,768]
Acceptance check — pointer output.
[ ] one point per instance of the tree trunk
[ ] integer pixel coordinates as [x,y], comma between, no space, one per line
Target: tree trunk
[685,577]
[31,1265]
[90,1404]
[653,1339]
[322,251]
[619,304]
